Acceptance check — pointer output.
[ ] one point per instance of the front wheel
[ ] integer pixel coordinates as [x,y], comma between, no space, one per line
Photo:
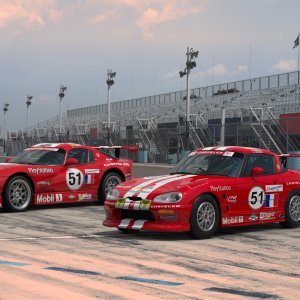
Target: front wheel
[204,217]
[292,211]
[17,194]
[108,182]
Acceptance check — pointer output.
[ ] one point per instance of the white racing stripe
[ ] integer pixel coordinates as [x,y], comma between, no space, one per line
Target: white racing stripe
[124,223]
[138,224]
[133,190]
[144,195]
[222,148]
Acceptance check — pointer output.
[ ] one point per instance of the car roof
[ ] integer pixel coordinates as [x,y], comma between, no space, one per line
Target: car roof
[245,150]
[65,146]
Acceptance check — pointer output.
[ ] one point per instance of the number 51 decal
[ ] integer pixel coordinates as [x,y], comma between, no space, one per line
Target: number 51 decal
[74,179]
[256,197]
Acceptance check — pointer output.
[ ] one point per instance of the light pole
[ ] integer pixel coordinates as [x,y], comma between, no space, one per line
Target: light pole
[61,96]
[28,103]
[110,82]
[190,64]
[5,109]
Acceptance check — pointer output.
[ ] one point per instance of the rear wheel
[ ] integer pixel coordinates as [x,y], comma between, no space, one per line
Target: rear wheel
[109,181]
[204,217]
[17,194]
[292,211]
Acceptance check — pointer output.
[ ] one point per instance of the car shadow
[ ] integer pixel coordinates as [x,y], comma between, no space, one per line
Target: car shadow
[55,206]
[174,236]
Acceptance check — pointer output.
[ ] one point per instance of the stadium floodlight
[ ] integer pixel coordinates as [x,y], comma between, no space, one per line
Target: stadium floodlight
[28,103]
[5,109]
[190,64]
[110,82]
[61,95]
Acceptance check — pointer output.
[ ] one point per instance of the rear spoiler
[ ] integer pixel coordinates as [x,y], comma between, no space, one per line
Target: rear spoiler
[284,158]
[131,148]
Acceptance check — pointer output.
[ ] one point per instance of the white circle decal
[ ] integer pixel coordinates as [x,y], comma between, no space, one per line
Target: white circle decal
[256,197]
[74,178]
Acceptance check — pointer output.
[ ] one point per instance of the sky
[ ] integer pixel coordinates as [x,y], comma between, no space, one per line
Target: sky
[46,43]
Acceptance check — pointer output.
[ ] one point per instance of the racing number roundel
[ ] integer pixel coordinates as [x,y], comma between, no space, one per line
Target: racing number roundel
[74,178]
[256,197]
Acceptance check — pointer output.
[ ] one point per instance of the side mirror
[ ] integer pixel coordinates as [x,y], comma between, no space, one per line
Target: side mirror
[256,171]
[71,161]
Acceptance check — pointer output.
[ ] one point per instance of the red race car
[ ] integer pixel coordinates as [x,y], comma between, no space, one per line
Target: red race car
[212,188]
[58,173]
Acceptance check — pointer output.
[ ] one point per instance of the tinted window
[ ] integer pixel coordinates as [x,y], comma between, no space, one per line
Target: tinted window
[80,154]
[260,160]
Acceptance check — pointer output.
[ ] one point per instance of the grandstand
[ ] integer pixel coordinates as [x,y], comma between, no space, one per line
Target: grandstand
[263,112]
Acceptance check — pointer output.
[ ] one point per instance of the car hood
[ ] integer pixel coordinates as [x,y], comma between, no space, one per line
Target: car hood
[149,187]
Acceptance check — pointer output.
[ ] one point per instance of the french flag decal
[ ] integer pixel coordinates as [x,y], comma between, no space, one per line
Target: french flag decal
[88,179]
[271,200]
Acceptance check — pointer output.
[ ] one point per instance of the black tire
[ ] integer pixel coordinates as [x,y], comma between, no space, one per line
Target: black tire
[17,195]
[292,211]
[108,182]
[204,219]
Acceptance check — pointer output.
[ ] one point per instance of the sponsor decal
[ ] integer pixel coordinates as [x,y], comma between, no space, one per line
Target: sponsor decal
[43,183]
[74,179]
[88,179]
[274,188]
[293,183]
[231,199]
[124,186]
[71,196]
[49,198]
[41,148]
[91,171]
[210,152]
[133,205]
[167,217]
[232,220]
[264,216]
[166,206]
[253,217]
[228,153]
[220,188]
[84,197]
[256,197]
[117,164]
[272,200]
[40,170]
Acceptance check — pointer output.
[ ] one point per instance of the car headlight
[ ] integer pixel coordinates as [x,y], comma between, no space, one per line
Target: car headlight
[112,195]
[168,197]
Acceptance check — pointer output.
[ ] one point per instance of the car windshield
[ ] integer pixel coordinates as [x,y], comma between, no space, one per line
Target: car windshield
[211,164]
[40,157]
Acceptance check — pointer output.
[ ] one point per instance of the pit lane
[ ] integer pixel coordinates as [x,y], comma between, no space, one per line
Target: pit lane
[65,253]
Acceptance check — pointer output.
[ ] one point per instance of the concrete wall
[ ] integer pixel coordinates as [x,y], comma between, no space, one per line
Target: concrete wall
[145,169]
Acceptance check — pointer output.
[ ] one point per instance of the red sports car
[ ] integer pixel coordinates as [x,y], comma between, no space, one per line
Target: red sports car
[211,188]
[57,173]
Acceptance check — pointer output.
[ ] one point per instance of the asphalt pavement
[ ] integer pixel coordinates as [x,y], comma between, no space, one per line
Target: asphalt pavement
[65,253]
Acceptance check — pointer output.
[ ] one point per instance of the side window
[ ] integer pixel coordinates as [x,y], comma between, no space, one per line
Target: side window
[80,154]
[260,160]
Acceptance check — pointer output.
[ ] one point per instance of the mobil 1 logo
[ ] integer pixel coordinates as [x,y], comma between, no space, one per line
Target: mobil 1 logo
[256,197]
[74,179]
